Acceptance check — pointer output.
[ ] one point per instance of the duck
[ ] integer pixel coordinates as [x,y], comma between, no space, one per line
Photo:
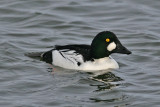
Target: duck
[96,56]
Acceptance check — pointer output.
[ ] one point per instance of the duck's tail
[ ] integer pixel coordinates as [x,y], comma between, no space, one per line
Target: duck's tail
[43,56]
[35,54]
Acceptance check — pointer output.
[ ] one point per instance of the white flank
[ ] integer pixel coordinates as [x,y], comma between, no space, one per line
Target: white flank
[111,46]
[68,59]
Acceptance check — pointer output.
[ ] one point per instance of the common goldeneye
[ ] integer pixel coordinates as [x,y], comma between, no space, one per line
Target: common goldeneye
[87,57]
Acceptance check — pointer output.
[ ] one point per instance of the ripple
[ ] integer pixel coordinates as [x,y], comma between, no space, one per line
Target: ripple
[36,26]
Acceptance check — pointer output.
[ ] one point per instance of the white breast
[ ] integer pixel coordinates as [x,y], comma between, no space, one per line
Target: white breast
[69,59]
[100,64]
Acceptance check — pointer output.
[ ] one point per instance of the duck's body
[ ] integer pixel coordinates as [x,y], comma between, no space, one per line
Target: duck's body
[77,57]
[87,57]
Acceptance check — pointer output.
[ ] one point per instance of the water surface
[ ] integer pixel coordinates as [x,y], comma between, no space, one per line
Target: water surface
[38,25]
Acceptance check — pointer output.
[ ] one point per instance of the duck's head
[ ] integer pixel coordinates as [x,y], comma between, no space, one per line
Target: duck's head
[106,43]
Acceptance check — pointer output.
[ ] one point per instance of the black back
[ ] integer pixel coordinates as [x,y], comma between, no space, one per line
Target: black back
[84,50]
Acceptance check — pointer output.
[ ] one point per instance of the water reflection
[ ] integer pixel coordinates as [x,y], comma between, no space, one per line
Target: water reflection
[122,98]
[108,100]
[106,84]
[108,77]
[109,81]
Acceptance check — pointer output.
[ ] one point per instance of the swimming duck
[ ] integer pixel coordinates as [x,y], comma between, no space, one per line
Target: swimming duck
[87,57]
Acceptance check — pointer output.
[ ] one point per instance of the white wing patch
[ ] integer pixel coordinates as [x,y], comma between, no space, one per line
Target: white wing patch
[66,58]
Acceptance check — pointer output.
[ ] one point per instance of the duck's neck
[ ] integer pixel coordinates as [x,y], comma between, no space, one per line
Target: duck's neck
[98,53]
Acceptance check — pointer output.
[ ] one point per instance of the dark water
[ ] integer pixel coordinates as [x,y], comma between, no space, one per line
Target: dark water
[37,25]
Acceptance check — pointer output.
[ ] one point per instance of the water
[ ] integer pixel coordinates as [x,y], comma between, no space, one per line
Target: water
[38,25]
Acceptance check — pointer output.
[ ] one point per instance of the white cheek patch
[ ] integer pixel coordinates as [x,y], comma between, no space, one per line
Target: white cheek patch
[111,46]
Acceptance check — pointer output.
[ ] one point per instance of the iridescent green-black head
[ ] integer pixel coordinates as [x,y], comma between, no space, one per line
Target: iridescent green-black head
[106,43]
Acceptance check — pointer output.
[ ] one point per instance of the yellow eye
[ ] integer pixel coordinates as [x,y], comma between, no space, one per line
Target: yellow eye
[107,40]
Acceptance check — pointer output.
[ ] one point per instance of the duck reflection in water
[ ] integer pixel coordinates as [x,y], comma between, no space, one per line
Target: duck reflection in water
[108,79]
